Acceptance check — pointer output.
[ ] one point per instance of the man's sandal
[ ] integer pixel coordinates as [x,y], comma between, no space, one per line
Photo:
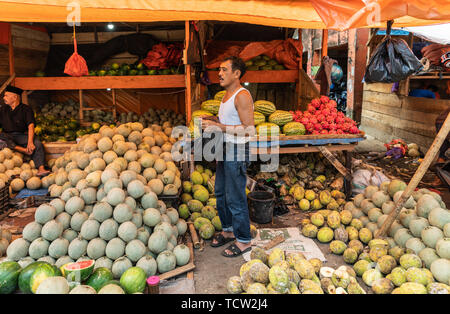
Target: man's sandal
[221,240]
[235,251]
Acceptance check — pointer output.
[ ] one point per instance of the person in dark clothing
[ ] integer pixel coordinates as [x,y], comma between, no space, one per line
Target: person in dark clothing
[17,122]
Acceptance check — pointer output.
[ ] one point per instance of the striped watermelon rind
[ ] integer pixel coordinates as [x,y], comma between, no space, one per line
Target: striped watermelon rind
[265,107]
[268,129]
[280,117]
[294,128]
[41,273]
[9,276]
[99,278]
[258,118]
[211,106]
[25,276]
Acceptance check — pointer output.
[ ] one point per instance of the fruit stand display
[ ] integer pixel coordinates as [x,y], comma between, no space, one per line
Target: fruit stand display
[414,259]
[105,221]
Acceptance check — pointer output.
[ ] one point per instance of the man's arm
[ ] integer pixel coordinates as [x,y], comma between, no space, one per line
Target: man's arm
[30,146]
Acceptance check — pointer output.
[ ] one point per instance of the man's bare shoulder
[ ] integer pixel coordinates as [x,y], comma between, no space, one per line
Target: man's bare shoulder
[244,97]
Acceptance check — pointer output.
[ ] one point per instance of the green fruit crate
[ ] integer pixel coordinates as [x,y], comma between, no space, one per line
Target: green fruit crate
[4,197]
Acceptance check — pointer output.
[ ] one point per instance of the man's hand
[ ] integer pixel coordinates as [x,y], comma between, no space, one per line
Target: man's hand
[30,148]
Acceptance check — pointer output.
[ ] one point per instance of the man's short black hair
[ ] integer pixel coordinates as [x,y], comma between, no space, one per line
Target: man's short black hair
[237,64]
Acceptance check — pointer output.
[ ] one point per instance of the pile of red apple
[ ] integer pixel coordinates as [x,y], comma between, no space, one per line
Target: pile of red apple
[322,117]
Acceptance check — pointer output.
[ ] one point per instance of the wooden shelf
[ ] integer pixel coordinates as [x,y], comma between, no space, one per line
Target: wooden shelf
[273,76]
[101,82]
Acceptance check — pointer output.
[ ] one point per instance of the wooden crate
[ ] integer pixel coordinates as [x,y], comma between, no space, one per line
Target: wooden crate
[56,149]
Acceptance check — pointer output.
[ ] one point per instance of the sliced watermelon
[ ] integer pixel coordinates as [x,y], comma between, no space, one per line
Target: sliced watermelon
[25,276]
[99,278]
[78,271]
[9,275]
[41,273]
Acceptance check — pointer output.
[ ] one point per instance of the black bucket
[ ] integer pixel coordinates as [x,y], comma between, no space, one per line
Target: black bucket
[261,206]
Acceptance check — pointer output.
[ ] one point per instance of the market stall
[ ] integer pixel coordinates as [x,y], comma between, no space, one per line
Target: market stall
[108,230]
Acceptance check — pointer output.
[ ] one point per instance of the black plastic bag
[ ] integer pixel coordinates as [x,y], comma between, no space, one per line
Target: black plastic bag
[393,61]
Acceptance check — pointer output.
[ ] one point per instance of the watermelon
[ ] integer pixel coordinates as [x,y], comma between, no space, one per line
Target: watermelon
[133,280]
[265,107]
[78,271]
[9,275]
[99,278]
[280,117]
[41,273]
[25,276]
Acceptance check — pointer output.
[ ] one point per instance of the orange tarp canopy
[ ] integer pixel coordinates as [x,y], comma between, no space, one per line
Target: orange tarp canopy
[339,15]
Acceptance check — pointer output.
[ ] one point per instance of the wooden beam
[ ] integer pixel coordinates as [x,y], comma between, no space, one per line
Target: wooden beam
[11,52]
[272,76]
[188,95]
[415,180]
[8,81]
[325,43]
[101,82]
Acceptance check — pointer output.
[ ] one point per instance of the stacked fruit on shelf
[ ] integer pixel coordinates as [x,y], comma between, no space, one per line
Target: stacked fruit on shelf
[309,179]
[106,209]
[414,256]
[19,173]
[5,237]
[125,69]
[58,122]
[322,117]
[160,117]
[199,203]
[263,63]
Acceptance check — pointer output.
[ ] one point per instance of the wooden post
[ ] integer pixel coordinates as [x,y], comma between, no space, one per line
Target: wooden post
[188,75]
[415,180]
[325,43]
[114,103]
[10,79]
[80,96]
[11,53]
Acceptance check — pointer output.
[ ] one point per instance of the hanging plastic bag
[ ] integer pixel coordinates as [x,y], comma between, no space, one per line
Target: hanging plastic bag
[393,61]
[76,65]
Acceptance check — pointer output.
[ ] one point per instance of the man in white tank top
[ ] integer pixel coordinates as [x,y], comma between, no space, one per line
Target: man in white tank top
[237,124]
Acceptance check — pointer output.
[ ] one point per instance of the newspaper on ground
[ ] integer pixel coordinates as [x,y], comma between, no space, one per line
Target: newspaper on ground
[294,242]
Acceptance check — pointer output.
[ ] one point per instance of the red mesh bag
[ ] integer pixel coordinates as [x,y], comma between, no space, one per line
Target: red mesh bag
[76,65]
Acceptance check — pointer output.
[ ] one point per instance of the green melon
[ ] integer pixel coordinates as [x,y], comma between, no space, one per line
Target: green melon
[77,248]
[149,200]
[443,248]
[135,250]
[127,231]
[148,264]
[182,254]
[135,189]
[103,262]
[89,229]
[44,213]
[439,217]
[151,217]
[32,231]
[115,248]
[9,276]
[111,184]
[77,220]
[120,265]
[440,269]
[25,276]
[428,256]
[166,261]
[40,273]
[122,213]
[133,280]
[64,219]
[115,196]
[96,248]
[63,260]
[111,288]
[395,186]
[58,248]
[425,204]
[108,229]
[53,285]
[158,241]
[99,278]
[78,271]
[143,235]
[69,234]
[52,230]
[430,236]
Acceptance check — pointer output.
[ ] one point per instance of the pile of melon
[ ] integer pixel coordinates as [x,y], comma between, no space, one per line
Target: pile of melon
[418,240]
[106,207]
[154,117]
[5,240]
[199,202]
[20,174]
